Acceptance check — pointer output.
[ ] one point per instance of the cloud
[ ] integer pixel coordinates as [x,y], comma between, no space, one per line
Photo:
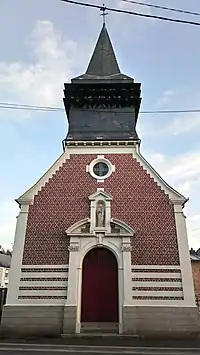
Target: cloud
[8,212]
[41,82]
[125,5]
[182,172]
[193,225]
[166,97]
[184,124]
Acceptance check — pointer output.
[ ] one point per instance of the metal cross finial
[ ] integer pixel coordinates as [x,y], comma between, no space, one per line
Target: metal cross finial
[104,13]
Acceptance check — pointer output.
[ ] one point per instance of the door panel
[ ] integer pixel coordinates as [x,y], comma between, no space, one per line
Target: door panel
[99,287]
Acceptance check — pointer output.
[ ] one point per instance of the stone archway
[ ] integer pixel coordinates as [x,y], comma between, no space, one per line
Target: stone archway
[99,301]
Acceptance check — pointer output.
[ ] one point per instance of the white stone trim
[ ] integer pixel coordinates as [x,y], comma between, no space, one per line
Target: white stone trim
[100,159]
[75,272]
[159,303]
[76,225]
[158,293]
[173,194]
[44,266]
[41,302]
[36,283]
[100,149]
[100,193]
[17,256]
[43,274]
[42,293]
[156,275]
[162,267]
[127,275]
[30,193]
[184,256]
[156,284]
[94,199]
[123,225]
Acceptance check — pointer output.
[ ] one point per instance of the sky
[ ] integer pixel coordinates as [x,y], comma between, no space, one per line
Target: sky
[45,43]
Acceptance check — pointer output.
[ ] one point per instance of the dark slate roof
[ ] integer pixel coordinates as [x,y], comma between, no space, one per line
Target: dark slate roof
[195,257]
[195,254]
[103,64]
[87,124]
[5,260]
[103,61]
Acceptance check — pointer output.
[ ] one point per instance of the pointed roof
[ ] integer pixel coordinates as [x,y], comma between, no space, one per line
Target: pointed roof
[103,61]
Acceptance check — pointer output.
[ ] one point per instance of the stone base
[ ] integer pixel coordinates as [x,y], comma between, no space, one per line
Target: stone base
[32,320]
[69,320]
[140,321]
[171,322]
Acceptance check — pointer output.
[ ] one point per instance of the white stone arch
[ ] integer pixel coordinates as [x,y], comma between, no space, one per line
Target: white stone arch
[89,245]
[82,240]
[116,250]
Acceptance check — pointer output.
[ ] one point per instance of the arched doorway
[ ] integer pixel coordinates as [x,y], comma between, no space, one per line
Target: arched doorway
[99,287]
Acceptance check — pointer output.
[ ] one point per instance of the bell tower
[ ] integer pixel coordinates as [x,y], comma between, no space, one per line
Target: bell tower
[102,104]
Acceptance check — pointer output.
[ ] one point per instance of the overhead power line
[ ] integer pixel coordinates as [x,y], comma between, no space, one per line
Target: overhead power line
[132,13]
[162,7]
[14,106]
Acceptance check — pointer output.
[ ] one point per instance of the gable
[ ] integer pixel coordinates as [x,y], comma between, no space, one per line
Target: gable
[174,195]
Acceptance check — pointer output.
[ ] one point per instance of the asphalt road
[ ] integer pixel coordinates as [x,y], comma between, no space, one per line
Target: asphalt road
[10,352]
[33,349]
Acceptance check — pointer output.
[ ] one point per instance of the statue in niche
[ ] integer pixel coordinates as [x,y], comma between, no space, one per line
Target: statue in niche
[100,214]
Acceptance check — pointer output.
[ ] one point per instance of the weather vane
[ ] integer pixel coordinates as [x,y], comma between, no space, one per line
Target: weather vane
[104,13]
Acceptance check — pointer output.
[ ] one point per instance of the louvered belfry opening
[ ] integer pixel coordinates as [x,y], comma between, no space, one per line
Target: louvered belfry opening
[103,103]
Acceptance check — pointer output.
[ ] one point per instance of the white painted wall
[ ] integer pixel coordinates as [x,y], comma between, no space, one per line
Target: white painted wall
[185,263]
[16,261]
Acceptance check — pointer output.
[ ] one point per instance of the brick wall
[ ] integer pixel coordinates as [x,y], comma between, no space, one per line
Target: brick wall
[137,200]
[196,278]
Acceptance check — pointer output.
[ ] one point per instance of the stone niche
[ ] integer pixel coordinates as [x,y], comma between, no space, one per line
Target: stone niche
[100,220]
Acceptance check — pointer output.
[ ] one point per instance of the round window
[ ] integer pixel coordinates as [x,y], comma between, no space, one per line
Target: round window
[100,169]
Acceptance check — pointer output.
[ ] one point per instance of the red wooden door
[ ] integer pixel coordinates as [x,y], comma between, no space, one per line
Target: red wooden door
[99,287]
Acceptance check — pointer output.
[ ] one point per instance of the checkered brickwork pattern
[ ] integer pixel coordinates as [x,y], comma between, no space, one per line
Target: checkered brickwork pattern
[44,270]
[137,200]
[166,298]
[157,270]
[156,279]
[42,297]
[157,288]
[44,279]
[52,288]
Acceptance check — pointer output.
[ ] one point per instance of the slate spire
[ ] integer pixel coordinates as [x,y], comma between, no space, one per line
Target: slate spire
[102,104]
[103,61]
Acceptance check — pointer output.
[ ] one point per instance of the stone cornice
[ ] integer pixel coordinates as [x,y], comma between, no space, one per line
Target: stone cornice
[99,143]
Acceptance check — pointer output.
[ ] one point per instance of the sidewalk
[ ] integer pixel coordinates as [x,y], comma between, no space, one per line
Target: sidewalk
[104,340]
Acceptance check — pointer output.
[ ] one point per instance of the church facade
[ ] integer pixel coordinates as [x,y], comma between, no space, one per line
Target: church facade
[101,240]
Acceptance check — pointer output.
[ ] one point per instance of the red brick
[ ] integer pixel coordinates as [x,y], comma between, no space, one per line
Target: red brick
[137,200]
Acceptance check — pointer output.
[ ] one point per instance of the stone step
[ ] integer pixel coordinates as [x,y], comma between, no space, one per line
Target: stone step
[99,327]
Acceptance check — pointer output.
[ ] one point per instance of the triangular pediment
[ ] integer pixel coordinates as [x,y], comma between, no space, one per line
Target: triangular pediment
[80,227]
[123,227]
[100,195]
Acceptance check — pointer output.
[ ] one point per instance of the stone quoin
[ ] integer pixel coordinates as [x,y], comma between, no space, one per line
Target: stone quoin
[101,240]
